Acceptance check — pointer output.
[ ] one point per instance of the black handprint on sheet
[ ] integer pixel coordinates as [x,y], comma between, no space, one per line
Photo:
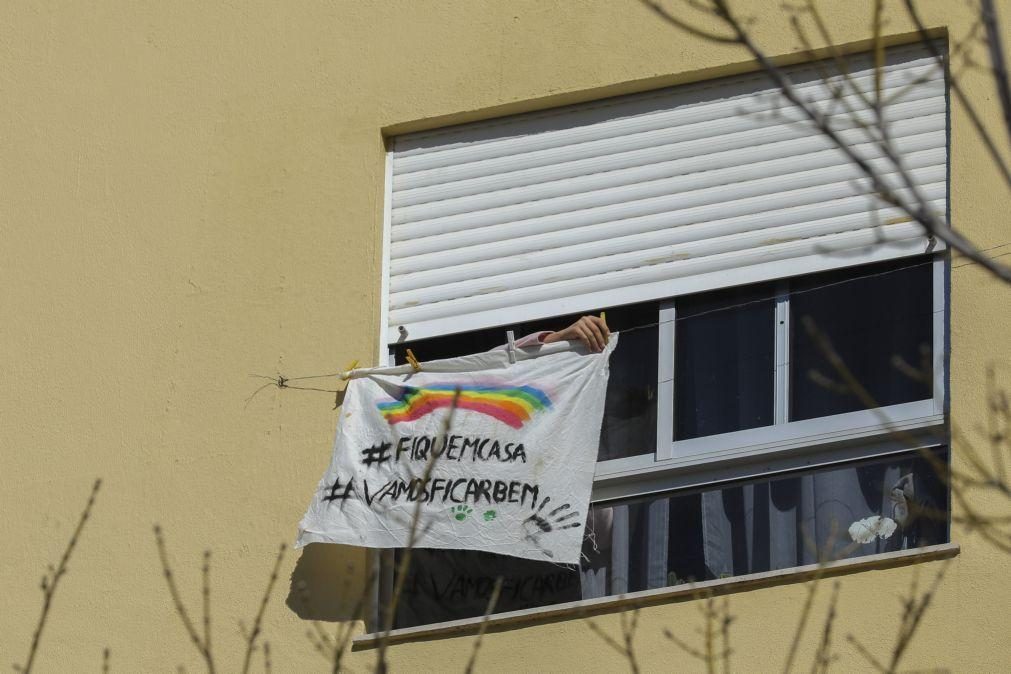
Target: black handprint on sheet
[540,522]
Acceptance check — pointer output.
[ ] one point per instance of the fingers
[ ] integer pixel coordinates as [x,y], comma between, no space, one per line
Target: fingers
[602,324]
[585,336]
[592,331]
[595,329]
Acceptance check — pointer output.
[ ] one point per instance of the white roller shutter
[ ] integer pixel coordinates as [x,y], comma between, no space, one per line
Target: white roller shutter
[647,196]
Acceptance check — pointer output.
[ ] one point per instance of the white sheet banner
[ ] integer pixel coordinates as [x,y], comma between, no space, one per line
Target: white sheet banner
[511,473]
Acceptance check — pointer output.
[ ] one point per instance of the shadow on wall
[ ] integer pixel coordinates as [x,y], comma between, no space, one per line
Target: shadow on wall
[326,583]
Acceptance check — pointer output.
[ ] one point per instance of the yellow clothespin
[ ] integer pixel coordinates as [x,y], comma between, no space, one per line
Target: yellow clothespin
[413,361]
[348,369]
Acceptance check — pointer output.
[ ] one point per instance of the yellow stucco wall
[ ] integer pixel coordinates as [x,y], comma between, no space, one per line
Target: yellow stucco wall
[192,192]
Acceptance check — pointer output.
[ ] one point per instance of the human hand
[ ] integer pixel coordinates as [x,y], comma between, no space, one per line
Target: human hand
[590,330]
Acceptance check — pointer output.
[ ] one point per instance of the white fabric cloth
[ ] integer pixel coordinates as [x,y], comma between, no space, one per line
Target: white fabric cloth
[511,474]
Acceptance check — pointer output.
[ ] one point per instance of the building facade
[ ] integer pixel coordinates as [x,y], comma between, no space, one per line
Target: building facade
[201,194]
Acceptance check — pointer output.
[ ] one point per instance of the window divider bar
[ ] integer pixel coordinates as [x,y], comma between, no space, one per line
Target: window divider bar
[665,383]
[782,394]
[940,338]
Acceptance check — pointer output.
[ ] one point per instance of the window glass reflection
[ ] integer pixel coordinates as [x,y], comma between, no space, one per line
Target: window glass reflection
[792,520]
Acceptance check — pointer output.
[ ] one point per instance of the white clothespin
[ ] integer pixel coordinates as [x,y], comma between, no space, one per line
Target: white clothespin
[511,346]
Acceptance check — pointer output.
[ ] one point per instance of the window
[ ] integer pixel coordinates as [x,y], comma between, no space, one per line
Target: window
[740,256]
[672,538]
[806,476]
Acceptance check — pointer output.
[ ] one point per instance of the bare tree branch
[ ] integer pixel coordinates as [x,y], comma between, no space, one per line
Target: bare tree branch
[414,533]
[688,28]
[492,602]
[51,580]
[258,621]
[988,13]
[918,208]
[963,99]
[177,602]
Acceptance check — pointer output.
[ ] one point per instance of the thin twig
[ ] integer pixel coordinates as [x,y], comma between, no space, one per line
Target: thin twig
[492,602]
[688,28]
[988,14]
[344,633]
[823,657]
[413,536]
[258,621]
[867,655]
[805,612]
[725,622]
[963,99]
[629,621]
[919,210]
[913,617]
[715,620]
[206,592]
[52,579]
[177,602]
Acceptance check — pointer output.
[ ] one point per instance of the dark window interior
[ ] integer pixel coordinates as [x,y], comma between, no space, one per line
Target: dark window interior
[878,319]
[725,368]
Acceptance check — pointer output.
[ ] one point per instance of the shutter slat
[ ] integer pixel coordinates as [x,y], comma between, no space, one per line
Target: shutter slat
[653,195]
[746,179]
[606,254]
[721,152]
[650,198]
[599,259]
[670,271]
[674,227]
[505,195]
[730,131]
[636,113]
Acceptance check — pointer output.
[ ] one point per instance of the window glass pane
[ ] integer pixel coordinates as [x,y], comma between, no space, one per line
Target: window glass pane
[724,371]
[871,316]
[860,508]
[768,524]
[629,422]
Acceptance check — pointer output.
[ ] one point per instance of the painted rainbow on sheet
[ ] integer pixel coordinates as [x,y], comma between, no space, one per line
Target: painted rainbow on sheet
[512,405]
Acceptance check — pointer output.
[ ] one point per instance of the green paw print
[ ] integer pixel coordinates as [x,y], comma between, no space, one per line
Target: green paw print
[489,515]
[460,512]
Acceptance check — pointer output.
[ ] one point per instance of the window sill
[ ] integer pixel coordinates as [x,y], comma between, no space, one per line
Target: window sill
[578,609]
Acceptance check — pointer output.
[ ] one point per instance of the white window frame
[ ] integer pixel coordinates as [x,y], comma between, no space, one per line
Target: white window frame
[707,461]
[785,444]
